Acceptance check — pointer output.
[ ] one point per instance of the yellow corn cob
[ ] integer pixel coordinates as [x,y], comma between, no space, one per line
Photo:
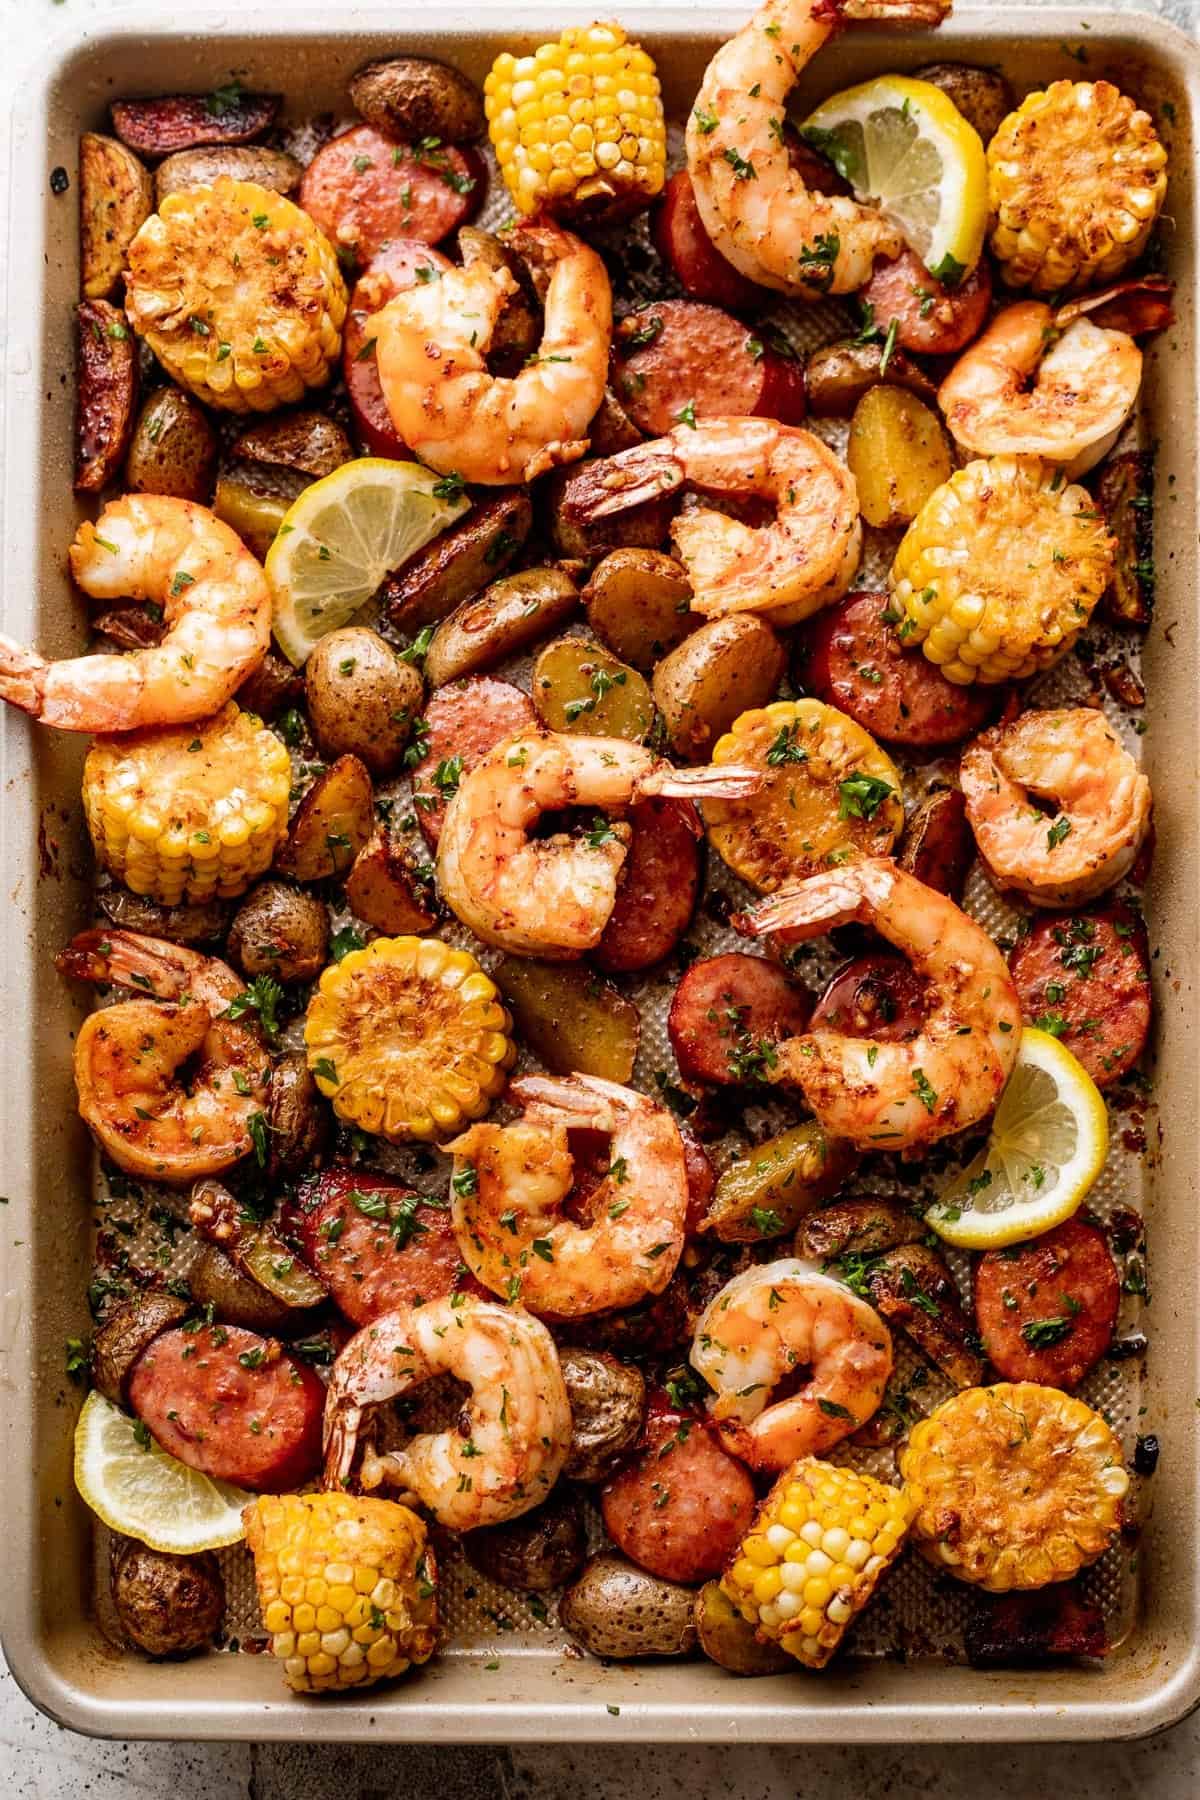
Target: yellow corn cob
[347,1587]
[238,295]
[1014,1486]
[578,127]
[188,812]
[1000,570]
[408,1038]
[1076,179]
[813,1557]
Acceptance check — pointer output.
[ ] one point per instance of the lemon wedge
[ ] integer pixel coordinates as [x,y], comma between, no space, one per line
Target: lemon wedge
[343,535]
[1048,1144]
[140,1490]
[904,147]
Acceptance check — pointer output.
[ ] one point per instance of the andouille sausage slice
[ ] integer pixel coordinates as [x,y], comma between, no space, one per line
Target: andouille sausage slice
[878,996]
[852,659]
[684,245]
[1046,1309]
[682,1504]
[463,721]
[171,122]
[232,1404]
[659,883]
[397,267]
[365,190]
[678,360]
[1085,977]
[937,846]
[376,1244]
[928,315]
[728,1013]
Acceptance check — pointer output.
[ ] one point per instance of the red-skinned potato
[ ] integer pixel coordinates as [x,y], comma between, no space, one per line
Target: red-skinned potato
[107,385]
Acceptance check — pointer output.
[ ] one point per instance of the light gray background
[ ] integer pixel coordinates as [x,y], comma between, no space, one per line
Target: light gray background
[39,1761]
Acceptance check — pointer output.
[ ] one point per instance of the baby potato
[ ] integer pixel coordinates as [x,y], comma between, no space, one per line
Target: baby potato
[460,562]
[579,686]
[298,1120]
[331,824]
[388,889]
[608,1407]
[174,448]
[571,1018]
[729,1641]
[982,96]
[414,97]
[271,169]
[770,1189]
[306,441]
[898,454]
[115,199]
[637,602]
[725,668]
[235,1297]
[538,1551]
[253,501]
[618,1611]
[512,614]
[837,376]
[280,931]
[362,699]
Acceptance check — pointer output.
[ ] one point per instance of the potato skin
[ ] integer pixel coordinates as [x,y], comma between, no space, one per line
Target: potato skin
[538,1551]
[384,888]
[253,500]
[125,1334]
[572,1019]
[608,1406]
[729,1641]
[460,563]
[298,1119]
[280,931]
[331,825]
[637,604]
[838,375]
[898,454]
[579,686]
[615,1610]
[235,1297]
[271,169]
[167,1604]
[115,200]
[200,923]
[306,441]
[184,121]
[362,699]
[783,1179]
[729,666]
[273,686]
[174,448]
[106,393]
[512,613]
[415,97]
[982,96]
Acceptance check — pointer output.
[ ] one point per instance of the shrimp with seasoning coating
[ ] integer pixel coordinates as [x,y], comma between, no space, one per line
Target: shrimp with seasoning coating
[950,1075]
[215,603]
[504,1452]
[770,1321]
[1072,758]
[552,897]
[510,1182]
[432,347]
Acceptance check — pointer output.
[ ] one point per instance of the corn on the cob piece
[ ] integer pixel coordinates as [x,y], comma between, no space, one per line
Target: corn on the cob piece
[347,1587]
[813,1557]
[188,812]
[1076,179]
[238,294]
[1001,569]
[1014,1486]
[578,127]
[408,1038]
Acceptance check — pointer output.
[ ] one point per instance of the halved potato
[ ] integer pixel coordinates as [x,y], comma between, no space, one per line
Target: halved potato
[898,454]
[723,669]
[332,823]
[387,889]
[116,197]
[571,1018]
[730,1641]
[770,1189]
[638,603]
[513,613]
[578,685]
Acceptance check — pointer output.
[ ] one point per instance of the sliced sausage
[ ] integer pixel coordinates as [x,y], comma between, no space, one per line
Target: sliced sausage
[937,846]
[393,270]
[852,659]
[375,1243]
[232,1404]
[173,122]
[878,996]
[1085,977]
[928,315]
[677,361]
[463,720]
[1046,1309]
[911,1287]
[684,245]
[682,1505]
[659,883]
[365,190]
[701,1180]
[728,1013]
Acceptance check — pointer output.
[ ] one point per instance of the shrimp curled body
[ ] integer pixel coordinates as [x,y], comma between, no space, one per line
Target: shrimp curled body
[552,897]
[217,611]
[504,1452]
[455,415]
[1072,757]
[765,1324]
[950,1074]
[510,1229]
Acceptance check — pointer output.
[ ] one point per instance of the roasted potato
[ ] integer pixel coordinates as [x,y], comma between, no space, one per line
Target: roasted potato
[512,614]
[770,1189]
[611,428]
[273,686]
[253,499]
[912,1287]
[362,699]
[856,1228]
[566,496]
[298,1120]
[982,96]
[637,602]
[306,441]
[608,1406]
[616,1610]
[727,1639]
[274,170]
[727,667]
[578,685]
[173,122]
[235,1297]
[518,330]
[837,377]
[257,1251]
[413,97]
[1125,495]
[331,824]
[125,1334]
[538,1551]
[167,1604]
[937,846]
[279,930]
[115,199]
[389,889]
[201,923]
[130,627]
[174,448]
[898,454]
[570,1017]
[460,563]
[106,393]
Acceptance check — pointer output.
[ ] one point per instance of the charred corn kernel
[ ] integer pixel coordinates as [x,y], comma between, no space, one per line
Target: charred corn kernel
[1014,1486]
[1076,179]
[787,1579]
[578,127]
[408,1038]
[238,294]
[388,1564]
[1001,569]
[188,812]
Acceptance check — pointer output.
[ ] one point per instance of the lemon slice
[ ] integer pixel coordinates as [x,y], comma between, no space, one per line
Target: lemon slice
[906,148]
[343,535]
[1048,1144]
[140,1490]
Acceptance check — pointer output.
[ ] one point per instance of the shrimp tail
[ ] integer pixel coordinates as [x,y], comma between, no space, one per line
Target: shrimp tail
[578,1102]
[22,676]
[728,781]
[340,1437]
[804,909]
[632,477]
[903,14]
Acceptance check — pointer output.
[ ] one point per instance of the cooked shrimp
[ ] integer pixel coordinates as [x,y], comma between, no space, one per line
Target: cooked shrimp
[552,896]
[215,603]
[1023,389]
[765,1324]
[1089,834]
[128,1058]
[510,1182]
[949,1076]
[754,204]
[804,558]
[503,1453]
[432,347]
